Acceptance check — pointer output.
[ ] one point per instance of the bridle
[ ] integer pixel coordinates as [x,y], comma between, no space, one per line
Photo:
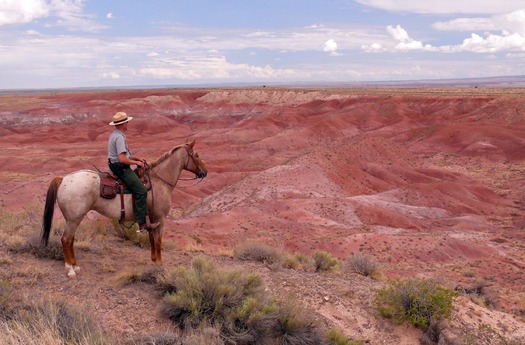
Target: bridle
[191,155]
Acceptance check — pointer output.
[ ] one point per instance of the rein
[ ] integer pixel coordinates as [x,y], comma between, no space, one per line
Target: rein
[190,155]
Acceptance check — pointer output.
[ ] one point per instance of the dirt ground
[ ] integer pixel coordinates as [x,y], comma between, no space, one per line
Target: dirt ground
[428,182]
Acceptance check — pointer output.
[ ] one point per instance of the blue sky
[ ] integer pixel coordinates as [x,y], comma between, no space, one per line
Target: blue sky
[96,43]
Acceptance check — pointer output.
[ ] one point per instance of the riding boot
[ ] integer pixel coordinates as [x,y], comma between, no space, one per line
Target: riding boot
[145,227]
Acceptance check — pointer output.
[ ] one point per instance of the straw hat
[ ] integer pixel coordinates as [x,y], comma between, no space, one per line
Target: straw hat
[120,118]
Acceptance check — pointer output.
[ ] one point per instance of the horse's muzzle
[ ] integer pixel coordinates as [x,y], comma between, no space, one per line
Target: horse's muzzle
[202,174]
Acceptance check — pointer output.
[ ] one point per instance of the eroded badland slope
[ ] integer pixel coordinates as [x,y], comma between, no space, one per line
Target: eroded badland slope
[429,182]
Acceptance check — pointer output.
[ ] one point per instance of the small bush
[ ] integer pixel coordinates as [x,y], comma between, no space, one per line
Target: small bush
[33,245]
[294,326]
[481,294]
[255,251]
[324,261]
[129,233]
[295,262]
[362,264]
[334,337]
[50,323]
[418,301]
[133,275]
[204,293]
[235,302]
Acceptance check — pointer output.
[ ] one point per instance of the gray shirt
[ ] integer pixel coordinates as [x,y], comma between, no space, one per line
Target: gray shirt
[117,144]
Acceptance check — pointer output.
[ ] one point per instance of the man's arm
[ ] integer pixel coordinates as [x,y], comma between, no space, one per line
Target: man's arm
[122,158]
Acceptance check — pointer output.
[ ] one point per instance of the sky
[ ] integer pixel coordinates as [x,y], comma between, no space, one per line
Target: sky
[124,43]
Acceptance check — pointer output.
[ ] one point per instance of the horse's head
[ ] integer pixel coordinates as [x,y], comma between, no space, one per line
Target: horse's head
[194,163]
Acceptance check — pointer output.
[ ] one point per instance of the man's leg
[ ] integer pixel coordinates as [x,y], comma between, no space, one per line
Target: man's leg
[136,187]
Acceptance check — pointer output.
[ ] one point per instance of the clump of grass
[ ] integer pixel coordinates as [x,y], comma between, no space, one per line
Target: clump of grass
[236,303]
[335,337]
[419,301]
[324,261]
[5,295]
[480,294]
[49,323]
[129,276]
[362,264]
[129,233]
[33,245]
[294,326]
[255,251]
[295,262]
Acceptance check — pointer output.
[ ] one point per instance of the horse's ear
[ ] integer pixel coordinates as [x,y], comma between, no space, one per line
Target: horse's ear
[191,144]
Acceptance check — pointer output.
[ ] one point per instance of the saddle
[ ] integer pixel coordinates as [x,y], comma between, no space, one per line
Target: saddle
[111,186]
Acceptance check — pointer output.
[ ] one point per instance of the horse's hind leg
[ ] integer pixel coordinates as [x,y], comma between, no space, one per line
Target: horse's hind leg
[68,239]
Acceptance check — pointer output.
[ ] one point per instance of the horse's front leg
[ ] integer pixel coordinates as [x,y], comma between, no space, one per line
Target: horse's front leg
[68,239]
[155,239]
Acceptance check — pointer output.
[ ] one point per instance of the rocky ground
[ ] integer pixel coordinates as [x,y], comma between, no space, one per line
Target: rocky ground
[428,182]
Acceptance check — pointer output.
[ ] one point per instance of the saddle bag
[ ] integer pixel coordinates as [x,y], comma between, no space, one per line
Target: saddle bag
[109,187]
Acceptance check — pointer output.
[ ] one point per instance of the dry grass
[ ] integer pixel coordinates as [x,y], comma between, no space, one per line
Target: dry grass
[49,323]
[256,251]
[362,264]
[150,275]
[324,261]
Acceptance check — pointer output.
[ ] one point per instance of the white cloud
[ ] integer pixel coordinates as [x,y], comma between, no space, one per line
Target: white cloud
[446,6]
[330,46]
[66,13]
[210,68]
[110,75]
[372,48]
[492,43]
[22,11]
[513,22]
[405,41]
[510,34]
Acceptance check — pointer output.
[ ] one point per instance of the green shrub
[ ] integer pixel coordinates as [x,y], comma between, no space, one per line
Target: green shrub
[419,301]
[255,251]
[362,264]
[236,302]
[205,293]
[324,261]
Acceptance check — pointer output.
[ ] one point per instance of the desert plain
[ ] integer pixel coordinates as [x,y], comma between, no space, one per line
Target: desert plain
[427,181]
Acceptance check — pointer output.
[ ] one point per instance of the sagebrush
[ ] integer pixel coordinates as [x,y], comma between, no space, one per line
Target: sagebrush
[419,301]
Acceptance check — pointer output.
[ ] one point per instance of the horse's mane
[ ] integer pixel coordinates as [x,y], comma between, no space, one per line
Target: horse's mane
[166,155]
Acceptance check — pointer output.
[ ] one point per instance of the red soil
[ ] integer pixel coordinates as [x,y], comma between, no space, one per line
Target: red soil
[429,182]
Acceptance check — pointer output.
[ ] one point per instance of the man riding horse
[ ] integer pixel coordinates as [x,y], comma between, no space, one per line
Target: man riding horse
[119,160]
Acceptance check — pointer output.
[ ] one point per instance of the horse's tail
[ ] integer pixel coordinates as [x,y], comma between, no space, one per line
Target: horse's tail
[49,209]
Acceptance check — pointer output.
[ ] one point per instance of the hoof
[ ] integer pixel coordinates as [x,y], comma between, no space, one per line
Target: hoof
[72,271]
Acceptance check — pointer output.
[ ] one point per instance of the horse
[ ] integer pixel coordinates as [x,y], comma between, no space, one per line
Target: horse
[78,193]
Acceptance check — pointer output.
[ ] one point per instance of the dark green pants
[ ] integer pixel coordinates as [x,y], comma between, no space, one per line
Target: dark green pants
[136,187]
